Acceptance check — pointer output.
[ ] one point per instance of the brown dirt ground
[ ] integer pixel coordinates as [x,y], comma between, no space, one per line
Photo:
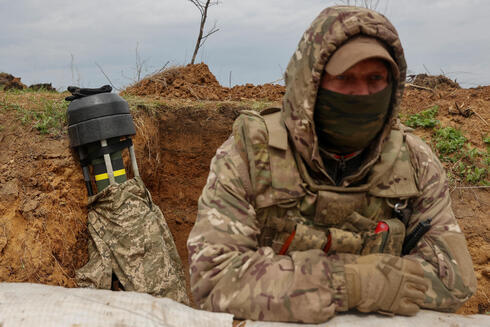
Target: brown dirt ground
[43,237]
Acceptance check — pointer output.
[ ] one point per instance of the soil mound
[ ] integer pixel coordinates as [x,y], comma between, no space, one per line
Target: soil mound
[433,82]
[198,83]
[8,82]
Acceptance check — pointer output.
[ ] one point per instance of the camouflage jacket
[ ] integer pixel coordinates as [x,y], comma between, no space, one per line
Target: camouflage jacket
[268,178]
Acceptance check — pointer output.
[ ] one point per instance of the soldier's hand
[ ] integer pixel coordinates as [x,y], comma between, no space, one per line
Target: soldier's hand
[385,283]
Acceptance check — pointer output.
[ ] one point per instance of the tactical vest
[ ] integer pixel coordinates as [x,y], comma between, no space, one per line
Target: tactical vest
[293,199]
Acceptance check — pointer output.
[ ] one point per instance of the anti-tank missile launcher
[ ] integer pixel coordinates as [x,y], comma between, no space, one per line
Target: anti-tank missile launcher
[100,127]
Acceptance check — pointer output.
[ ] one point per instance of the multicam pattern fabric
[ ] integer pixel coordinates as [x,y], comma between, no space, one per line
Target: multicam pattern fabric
[261,187]
[386,284]
[130,238]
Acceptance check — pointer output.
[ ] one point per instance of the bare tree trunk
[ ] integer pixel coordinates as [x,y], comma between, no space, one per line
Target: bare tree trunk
[201,38]
[201,31]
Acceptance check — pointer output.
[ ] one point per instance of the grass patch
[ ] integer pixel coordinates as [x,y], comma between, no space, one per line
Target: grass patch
[425,118]
[52,119]
[44,111]
[49,120]
[155,104]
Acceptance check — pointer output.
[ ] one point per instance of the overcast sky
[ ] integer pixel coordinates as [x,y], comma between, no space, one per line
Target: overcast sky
[60,41]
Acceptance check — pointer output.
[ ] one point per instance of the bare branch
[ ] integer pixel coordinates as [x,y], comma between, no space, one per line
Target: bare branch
[107,77]
[418,87]
[159,70]
[471,187]
[369,4]
[74,70]
[139,65]
[210,32]
[198,5]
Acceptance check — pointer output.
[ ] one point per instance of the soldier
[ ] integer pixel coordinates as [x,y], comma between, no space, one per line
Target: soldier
[307,209]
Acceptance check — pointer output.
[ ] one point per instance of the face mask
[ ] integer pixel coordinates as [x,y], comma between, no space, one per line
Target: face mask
[347,123]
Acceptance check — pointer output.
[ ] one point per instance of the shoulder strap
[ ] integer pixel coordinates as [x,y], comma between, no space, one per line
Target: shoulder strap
[278,136]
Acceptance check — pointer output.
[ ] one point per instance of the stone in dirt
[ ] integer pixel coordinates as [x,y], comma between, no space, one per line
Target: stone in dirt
[9,189]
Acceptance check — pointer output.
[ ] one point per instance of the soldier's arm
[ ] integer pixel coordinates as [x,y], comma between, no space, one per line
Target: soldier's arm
[442,250]
[231,273]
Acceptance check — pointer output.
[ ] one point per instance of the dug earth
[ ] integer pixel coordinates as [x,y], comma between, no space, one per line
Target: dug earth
[43,234]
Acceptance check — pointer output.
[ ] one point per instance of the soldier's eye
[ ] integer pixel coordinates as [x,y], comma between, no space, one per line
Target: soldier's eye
[376,77]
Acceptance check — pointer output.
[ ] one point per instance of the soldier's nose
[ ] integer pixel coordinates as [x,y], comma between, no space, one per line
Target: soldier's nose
[360,88]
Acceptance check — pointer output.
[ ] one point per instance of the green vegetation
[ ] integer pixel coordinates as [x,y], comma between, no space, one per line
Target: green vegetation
[449,140]
[43,110]
[425,118]
[49,120]
[470,163]
[486,140]
[52,119]
[464,163]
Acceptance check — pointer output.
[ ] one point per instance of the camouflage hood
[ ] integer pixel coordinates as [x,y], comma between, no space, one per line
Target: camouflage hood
[331,29]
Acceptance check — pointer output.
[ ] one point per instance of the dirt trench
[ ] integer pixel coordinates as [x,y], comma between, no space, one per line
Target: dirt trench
[174,150]
[43,215]
[43,236]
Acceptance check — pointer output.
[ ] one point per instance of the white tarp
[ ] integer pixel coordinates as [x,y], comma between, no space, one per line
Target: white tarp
[38,305]
[23,304]
[421,319]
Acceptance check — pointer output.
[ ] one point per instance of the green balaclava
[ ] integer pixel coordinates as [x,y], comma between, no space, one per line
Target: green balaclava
[348,123]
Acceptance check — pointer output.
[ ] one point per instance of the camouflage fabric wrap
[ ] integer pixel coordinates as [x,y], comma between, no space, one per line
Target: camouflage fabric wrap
[344,241]
[390,241]
[268,178]
[307,238]
[130,238]
[357,235]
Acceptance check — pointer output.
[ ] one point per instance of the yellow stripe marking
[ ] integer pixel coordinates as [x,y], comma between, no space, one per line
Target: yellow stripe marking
[103,176]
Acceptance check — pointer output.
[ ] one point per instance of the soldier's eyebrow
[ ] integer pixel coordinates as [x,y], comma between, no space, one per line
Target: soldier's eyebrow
[379,71]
